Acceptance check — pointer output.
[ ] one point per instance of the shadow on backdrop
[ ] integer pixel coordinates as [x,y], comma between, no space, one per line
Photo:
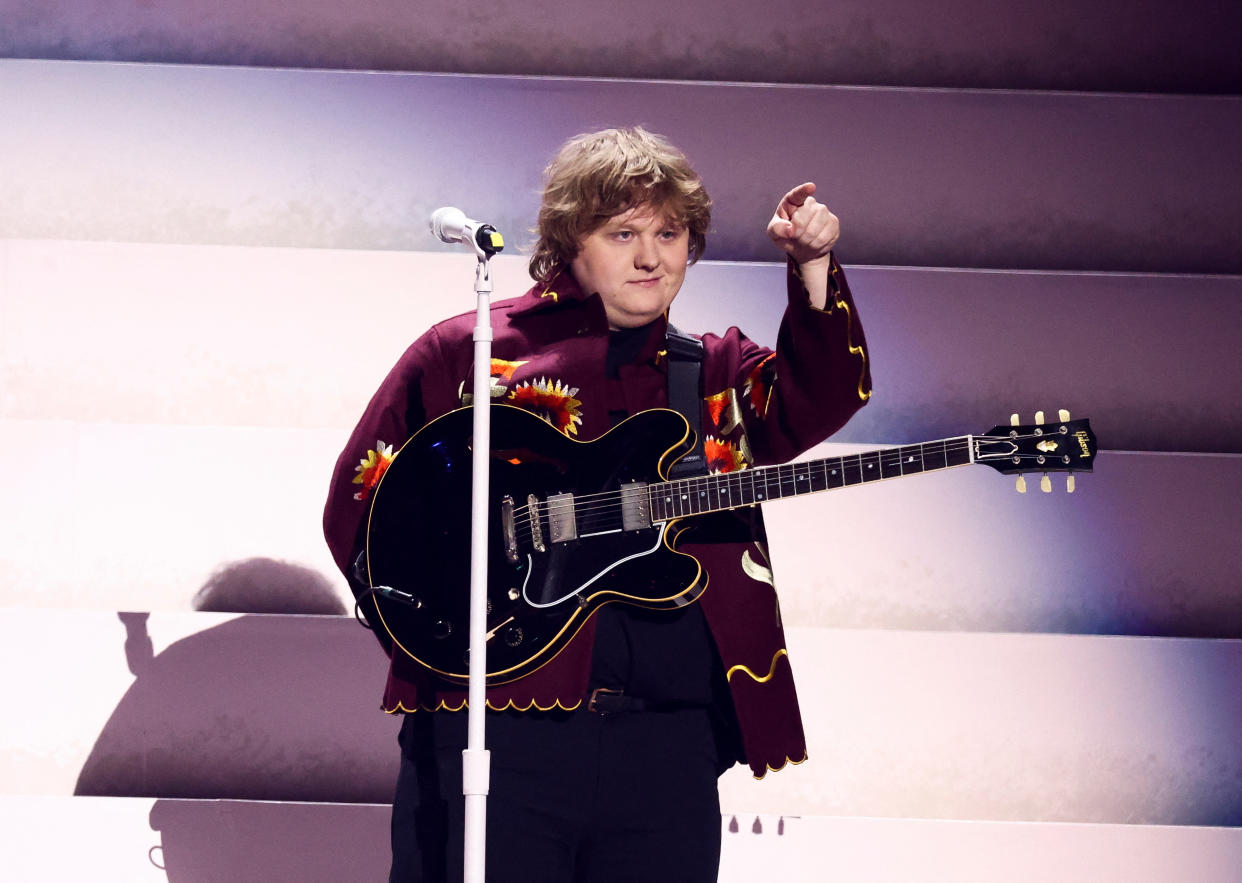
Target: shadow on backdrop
[265,585]
[260,707]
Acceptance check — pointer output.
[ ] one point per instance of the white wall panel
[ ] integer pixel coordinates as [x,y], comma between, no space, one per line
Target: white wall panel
[899,724]
[133,840]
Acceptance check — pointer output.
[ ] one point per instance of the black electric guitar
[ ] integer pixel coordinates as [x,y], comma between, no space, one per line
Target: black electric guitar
[574,525]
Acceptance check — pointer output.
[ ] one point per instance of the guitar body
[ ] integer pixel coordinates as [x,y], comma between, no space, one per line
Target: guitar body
[540,589]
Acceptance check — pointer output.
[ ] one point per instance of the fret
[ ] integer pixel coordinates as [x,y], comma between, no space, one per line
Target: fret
[713,498]
[802,478]
[788,487]
[660,503]
[723,495]
[960,455]
[699,495]
[819,475]
[737,484]
[851,469]
[911,459]
[760,480]
[659,509]
[746,487]
[773,482]
[870,466]
[833,475]
[933,456]
[681,499]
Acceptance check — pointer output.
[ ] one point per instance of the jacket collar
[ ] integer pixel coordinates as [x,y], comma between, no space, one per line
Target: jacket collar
[564,292]
[561,291]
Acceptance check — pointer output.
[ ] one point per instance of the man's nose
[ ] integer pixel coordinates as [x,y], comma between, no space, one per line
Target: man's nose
[646,256]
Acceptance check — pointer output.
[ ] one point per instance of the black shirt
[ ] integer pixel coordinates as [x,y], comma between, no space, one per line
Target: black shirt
[662,656]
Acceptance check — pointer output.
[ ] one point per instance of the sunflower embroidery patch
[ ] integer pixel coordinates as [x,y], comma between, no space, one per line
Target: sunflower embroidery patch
[724,411]
[722,456]
[371,469]
[758,386]
[552,401]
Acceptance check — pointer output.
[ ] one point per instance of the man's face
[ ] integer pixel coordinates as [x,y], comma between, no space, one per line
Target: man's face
[637,262]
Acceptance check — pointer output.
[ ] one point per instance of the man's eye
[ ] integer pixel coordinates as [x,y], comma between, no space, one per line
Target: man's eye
[622,235]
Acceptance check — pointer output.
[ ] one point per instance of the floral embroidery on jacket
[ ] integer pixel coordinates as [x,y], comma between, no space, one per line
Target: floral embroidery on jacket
[758,386]
[724,411]
[502,373]
[371,469]
[552,401]
[722,456]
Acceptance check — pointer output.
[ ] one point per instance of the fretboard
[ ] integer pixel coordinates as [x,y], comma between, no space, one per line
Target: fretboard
[748,487]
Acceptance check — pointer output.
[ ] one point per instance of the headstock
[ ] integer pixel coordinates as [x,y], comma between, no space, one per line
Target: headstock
[1064,446]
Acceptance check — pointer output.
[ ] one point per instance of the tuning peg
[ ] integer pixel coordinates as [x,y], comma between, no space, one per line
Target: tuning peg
[1021,483]
[1069,483]
[1039,418]
[1063,415]
[1014,420]
[1045,484]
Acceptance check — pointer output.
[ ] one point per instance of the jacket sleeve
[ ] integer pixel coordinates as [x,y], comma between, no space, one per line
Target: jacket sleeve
[767,406]
[396,411]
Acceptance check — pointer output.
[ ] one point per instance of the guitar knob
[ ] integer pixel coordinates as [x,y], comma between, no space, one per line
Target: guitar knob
[1039,418]
[1022,484]
[1014,420]
[514,635]
[1045,484]
[1069,483]
[1063,415]
[441,629]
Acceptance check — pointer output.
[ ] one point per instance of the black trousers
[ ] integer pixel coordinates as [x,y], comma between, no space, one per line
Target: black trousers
[576,797]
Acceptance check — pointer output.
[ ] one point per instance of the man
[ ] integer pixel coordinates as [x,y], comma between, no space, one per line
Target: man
[605,760]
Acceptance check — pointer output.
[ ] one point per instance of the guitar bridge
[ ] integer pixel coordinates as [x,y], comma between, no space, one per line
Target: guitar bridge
[536,526]
[507,530]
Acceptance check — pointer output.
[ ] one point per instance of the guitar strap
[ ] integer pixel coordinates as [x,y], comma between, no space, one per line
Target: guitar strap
[685,368]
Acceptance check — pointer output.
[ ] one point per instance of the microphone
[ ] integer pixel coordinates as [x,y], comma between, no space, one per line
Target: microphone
[451,225]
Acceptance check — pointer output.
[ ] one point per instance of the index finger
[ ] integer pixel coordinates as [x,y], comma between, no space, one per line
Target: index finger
[798,195]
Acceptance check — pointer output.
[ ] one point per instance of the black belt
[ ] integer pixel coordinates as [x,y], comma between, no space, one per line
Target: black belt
[606,701]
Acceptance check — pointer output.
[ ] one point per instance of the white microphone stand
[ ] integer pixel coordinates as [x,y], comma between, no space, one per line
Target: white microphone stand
[476,760]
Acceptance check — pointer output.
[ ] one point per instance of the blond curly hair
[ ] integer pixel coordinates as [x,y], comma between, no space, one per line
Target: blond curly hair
[602,174]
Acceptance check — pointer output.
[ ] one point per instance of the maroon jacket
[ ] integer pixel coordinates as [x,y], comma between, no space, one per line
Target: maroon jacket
[548,357]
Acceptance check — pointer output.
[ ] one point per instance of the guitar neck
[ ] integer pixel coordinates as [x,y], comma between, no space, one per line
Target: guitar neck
[747,487]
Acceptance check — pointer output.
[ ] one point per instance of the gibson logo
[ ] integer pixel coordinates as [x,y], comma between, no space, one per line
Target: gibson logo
[1047,446]
[1082,443]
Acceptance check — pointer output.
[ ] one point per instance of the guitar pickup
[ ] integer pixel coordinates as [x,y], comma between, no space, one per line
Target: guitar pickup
[635,506]
[562,522]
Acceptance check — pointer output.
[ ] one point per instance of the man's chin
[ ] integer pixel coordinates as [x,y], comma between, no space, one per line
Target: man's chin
[628,321]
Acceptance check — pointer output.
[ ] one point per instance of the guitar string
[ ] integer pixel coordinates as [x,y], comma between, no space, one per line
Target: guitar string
[608,503]
[610,518]
[588,504]
[885,457]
